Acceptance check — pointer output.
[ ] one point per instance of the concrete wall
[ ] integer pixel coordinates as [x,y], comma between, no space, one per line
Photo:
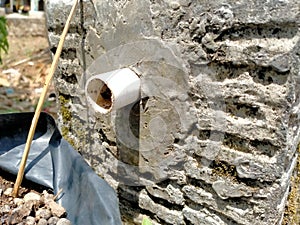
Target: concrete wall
[214,138]
[23,26]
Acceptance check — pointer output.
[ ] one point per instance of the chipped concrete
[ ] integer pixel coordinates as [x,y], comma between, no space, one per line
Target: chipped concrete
[214,138]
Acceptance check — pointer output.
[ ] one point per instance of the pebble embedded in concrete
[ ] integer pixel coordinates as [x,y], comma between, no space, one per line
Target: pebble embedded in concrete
[175,5]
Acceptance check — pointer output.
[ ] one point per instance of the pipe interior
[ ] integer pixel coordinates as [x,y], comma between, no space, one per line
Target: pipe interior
[104,98]
[100,93]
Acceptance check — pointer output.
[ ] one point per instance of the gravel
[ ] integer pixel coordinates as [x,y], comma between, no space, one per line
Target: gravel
[32,207]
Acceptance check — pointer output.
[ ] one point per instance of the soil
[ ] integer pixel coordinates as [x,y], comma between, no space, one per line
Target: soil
[23,73]
[34,205]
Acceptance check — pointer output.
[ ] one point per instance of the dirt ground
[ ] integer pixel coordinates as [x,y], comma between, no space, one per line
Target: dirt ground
[22,75]
[34,204]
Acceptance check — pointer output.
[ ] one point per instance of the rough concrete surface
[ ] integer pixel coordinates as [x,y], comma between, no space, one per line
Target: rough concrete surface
[213,139]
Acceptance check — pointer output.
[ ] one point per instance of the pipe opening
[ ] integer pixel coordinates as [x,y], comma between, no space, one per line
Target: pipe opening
[100,93]
[105,97]
[112,90]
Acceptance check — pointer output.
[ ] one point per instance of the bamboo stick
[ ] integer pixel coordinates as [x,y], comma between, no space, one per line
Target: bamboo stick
[41,101]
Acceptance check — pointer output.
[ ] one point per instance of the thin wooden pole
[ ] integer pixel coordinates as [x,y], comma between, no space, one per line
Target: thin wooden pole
[41,101]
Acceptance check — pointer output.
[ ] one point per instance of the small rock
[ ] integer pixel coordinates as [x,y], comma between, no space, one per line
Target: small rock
[281,64]
[4,209]
[21,212]
[16,216]
[175,5]
[43,214]
[225,189]
[1,191]
[42,222]
[56,209]
[53,220]
[18,201]
[47,196]
[31,196]
[8,191]
[63,221]
[208,41]
[30,220]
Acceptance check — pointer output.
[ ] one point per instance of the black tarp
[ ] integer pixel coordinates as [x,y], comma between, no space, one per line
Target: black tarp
[53,163]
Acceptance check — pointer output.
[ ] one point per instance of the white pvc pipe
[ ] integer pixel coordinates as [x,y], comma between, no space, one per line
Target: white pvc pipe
[112,90]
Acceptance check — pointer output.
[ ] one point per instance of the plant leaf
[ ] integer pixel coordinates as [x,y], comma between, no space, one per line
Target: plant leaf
[146,221]
[3,36]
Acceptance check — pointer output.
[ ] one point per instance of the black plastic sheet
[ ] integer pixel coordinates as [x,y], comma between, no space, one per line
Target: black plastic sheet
[53,163]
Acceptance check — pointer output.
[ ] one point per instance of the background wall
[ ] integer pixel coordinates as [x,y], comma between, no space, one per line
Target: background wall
[214,138]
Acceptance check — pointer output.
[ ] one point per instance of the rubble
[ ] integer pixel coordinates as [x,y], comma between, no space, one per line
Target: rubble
[34,208]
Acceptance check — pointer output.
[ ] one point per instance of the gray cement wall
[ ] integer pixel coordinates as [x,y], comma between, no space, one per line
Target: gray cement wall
[214,138]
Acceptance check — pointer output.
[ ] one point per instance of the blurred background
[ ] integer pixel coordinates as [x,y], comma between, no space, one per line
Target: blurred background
[27,60]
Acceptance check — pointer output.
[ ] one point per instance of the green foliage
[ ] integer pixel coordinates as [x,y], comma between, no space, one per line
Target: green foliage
[3,36]
[146,221]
